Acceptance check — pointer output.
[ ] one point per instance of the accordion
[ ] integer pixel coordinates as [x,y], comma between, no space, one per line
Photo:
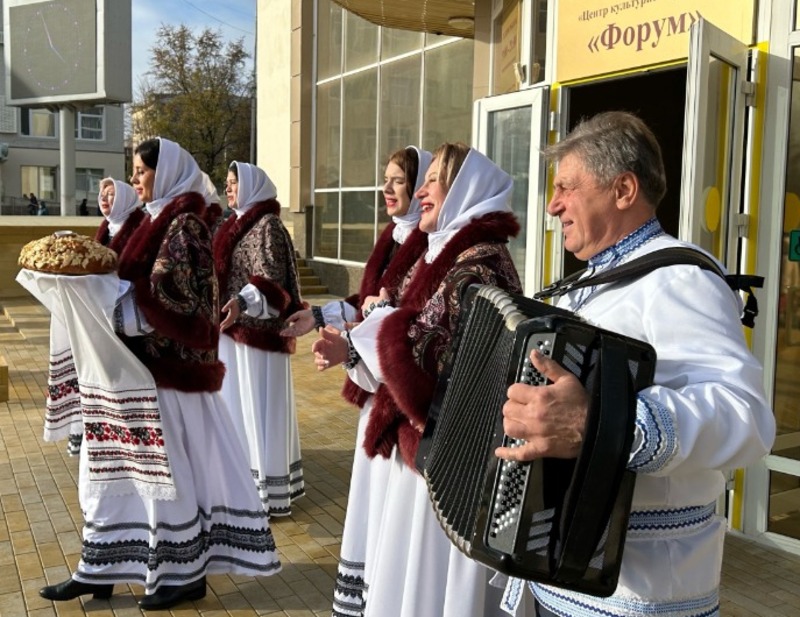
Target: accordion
[555,521]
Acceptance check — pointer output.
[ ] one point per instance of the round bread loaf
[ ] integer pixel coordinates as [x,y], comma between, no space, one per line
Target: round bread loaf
[67,253]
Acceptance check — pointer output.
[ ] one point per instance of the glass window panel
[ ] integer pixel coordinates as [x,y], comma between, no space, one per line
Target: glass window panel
[89,124]
[507,47]
[326,225]
[38,123]
[358,224]
[354,137]
[88,180]
[400,105]
[539,34]
[29,179]
[447,110]
[328,131]
[784,510]
[509,146]
[715,169]
[361,42]
[329,39]
[360,128]
[784,504]
[396,42]
[47,183]
[39,180]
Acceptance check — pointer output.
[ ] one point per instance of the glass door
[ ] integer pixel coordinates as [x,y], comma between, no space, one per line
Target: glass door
[784,462]
[711,184]
[713,141]
[510,130]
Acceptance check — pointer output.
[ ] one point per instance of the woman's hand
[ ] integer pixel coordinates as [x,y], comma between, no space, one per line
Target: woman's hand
[329,349]
[299,323]
[232,309]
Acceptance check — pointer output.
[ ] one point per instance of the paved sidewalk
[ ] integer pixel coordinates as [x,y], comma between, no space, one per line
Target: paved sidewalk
[40,538]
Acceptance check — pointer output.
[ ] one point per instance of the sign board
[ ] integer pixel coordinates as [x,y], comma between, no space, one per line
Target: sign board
[598,36]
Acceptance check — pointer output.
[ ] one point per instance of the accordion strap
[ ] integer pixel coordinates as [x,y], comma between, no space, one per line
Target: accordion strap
[601,463]
[657,259]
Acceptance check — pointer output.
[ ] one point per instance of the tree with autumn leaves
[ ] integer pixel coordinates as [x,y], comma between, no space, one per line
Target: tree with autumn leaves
[200,93]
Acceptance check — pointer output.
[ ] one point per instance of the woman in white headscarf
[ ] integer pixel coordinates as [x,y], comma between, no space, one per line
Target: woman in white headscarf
[400,349]
[258,282]
[399,246]
[122,213]
[169,319]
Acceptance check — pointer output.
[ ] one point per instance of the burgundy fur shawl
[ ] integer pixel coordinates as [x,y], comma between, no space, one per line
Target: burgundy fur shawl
[136,264]
[386,267]
[120,239]
[400,407]
[187,344]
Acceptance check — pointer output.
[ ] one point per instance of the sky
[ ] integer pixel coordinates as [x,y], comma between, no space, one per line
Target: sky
[233,18]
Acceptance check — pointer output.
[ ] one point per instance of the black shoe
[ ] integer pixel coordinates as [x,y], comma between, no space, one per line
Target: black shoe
[71,589]
[168,596]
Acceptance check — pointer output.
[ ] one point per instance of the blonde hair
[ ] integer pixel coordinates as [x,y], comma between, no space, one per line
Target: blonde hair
[451,157]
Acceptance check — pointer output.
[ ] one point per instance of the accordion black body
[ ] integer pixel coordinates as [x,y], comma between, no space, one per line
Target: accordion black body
[555,521]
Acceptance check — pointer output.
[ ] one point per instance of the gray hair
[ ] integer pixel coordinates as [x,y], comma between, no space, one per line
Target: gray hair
[612,143]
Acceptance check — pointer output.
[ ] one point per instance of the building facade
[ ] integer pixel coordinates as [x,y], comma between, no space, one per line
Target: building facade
[718,82]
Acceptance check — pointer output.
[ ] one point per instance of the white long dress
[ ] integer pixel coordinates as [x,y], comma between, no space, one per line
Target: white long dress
[448,583]
[215,526]
[369,480]
[258,384]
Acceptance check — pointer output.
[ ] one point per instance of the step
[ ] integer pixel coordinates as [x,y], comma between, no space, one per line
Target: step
[313,290]
[30,322]
[310,280]
[305,272]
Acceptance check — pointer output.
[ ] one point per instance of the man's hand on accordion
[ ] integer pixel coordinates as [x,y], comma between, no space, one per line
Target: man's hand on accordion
[550,418]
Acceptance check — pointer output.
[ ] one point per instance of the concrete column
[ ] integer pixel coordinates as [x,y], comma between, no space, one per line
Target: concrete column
[66,135]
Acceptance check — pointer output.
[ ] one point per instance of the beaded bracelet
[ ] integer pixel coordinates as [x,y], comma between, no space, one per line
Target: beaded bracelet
[352,355]
[242,303]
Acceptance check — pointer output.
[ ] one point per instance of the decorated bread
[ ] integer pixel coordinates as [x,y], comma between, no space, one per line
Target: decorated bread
[65,252]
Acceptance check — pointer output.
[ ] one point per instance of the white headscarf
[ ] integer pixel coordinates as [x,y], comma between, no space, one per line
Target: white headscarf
[254,187]
[480,187]
[404,225]
[176,173]
[125,201]
[209,190]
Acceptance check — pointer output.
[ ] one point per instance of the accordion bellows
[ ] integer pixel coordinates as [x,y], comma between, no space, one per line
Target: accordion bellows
[555,521]
[65,252]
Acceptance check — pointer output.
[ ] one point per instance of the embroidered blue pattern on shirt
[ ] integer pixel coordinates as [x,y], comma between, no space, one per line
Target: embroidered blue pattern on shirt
[613,255]
[670,522]
[656,424]
[562,602]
